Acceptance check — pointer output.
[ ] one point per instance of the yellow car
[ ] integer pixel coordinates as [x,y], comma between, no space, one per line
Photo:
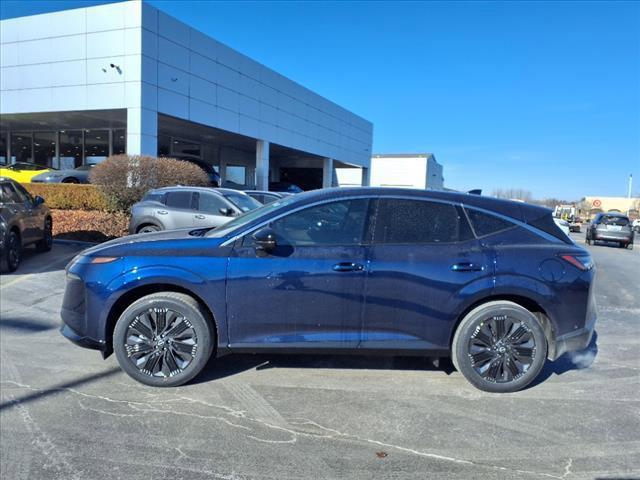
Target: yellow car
[22,172]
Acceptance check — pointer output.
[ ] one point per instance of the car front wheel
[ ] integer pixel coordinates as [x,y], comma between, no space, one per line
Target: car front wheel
[13,252]
[149,229]
[164,339]
[499,347]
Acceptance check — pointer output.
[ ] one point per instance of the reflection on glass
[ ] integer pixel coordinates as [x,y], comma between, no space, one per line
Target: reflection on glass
[44,148]
[3,148]
[20,147]
[70,149]
[96,146]
[119,142]
[236,174]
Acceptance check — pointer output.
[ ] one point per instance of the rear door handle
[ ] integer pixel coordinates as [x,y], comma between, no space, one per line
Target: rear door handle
[466,267]
[199,217]
[348,267]
[161,212]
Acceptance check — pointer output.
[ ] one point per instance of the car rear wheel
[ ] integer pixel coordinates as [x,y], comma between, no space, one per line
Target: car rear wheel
[499,347]
[163,339]
[148,229]
[70,180]
[630,245]
[46,243]
[13,252]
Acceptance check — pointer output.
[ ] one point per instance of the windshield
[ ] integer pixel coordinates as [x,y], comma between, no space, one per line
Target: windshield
[242,201]
[248,217]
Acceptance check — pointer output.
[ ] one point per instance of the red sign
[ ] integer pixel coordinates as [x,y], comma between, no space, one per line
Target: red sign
[597,203]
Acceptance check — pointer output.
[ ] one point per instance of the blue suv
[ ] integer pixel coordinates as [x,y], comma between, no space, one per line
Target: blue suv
[493,283]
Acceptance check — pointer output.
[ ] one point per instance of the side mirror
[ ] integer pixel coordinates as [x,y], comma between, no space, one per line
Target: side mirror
[227,212]
[265,239]
[38,201]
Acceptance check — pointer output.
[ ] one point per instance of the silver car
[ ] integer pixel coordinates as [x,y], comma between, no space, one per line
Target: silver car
[73,175]
[183,207]
[24,220]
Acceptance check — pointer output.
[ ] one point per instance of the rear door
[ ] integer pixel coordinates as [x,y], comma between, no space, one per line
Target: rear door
[422,255]
[208,210]
[179,211]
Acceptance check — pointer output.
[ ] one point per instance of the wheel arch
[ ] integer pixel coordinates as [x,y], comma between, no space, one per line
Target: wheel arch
[524,301]
[140,291]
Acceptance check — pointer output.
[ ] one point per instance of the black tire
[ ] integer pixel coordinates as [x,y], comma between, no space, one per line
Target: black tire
[509,356]
[169,360]
[630,245]
[148,228]
[71,180]
[13,252]
[46,243]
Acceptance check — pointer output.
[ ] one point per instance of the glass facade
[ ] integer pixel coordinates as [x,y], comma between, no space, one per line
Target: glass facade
[63,148]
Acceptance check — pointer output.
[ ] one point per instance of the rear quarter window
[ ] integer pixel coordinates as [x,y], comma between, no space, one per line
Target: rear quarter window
[486,224]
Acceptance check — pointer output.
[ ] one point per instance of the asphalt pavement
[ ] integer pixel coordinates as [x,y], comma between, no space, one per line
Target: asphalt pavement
[67,414]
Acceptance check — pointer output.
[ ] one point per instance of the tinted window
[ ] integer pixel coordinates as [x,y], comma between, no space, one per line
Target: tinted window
[336,223]
[22,192]
[210,203]
[8,194]
[614,220]
[402,221]
[180,199]
[485,223]
[154,197]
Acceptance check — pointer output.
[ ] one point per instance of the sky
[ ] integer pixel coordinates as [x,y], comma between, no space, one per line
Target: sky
[543,96]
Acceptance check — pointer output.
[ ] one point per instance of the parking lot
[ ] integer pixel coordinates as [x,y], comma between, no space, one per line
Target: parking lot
[65,413]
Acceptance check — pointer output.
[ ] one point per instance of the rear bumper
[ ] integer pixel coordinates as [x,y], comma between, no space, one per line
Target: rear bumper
[613,236]
[571,342]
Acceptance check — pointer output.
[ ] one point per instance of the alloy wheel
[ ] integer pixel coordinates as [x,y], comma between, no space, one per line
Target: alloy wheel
[161,342]
[502,349]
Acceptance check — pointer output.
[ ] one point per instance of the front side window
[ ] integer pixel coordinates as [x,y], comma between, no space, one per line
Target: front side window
[179,199]
[210,204]
[8,194]
[242,201]
[336,223]
[403,221]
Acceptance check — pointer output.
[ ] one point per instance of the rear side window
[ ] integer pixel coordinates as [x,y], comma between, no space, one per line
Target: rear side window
[401,221]
[486,224]
[8,194]
[179,199]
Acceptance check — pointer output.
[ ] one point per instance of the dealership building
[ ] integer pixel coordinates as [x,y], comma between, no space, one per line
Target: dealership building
[80,85]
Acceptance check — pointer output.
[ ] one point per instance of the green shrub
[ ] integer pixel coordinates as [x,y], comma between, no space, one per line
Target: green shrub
[69,196]
[124,179]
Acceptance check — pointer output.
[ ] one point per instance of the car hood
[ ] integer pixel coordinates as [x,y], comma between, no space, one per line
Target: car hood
[158,243]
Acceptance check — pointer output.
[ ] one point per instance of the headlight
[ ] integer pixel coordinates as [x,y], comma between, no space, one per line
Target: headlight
[86,259]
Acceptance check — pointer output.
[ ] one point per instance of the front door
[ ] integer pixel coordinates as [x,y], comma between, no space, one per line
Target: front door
[306,293]
[209,209]
[422,257]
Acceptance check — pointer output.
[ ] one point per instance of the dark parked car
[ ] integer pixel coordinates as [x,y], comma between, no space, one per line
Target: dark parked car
[611,227]
[266,197]
[210,170]
[493,283]
[169,208]
[284,187]
[24,220]
[72,175]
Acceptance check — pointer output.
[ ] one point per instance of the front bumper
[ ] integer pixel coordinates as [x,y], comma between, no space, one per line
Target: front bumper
[85,342]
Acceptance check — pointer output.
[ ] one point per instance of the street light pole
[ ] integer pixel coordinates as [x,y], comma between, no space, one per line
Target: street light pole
[630,183]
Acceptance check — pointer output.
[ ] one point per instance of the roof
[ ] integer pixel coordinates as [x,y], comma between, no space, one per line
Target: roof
[220,191]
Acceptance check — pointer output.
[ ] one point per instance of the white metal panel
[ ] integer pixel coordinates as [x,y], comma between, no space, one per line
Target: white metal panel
[173,54]
[173,79]
[105,44]
[73,72]
[106,17]
[69,98]
[173,103]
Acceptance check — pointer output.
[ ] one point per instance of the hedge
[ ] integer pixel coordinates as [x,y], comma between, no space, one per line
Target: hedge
[69,196]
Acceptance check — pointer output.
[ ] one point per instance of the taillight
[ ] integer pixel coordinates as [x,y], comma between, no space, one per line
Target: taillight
[581,262]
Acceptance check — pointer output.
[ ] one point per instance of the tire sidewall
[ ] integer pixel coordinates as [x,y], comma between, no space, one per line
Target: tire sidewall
[202,326]
[13,243]
[468,325]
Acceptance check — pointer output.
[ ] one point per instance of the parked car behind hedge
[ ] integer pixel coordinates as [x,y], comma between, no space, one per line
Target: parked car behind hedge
[71,175]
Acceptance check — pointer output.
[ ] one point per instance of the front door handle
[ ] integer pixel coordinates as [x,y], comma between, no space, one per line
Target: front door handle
[466,267]
[161,212]
[348,267]
[199,217]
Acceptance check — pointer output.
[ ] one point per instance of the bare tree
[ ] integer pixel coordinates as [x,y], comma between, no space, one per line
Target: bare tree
[513,194]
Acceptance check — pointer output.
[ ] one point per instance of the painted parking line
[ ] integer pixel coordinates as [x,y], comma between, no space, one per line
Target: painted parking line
[20,278]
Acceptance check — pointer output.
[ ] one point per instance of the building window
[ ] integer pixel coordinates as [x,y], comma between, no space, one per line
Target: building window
[236,174]
[164,146]
[119,145]
[96,146]
[21,147]
[70,148]
[3,148]
[44,148]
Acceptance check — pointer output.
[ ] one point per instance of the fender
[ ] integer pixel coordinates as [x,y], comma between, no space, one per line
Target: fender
[148,219]
[204,289]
